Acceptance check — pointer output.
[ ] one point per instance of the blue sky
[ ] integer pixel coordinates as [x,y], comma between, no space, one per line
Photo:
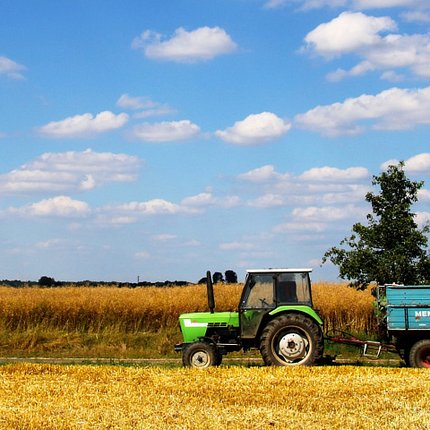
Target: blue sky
[162,138]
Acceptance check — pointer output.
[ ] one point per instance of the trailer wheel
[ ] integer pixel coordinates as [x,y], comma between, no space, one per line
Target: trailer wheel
[200,355]
[291,340]
[419,355]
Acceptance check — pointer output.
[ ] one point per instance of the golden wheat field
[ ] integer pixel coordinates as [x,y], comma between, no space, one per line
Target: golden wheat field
[84,397]
[152,308]
[140,322]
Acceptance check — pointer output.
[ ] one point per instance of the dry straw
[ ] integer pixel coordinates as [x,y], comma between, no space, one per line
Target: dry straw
[83,397]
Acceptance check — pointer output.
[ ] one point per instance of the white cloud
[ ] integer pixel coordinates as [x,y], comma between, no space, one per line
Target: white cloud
[116,221]
[357,33]
[418,164]
[60,206]
[70,171]
[349,193]
[320,185]
[148,108]
[327,213]
[380,4]
[268,201]
[416,16]
[333,174]
[347,33]
[255,129]
[422,219]
[150,207]
[424,195]
[185,46]
[84,125]
[392,76]
[135,103]
[273,4]
[357,70]
[166,131]
[11,69]
[202,199]
[319,219]
[402,51]
[87,183]
[322,217]
[262,174]
[391,162]
[305,4]
[161,110]
[297,226]
[131,212]
[392,109]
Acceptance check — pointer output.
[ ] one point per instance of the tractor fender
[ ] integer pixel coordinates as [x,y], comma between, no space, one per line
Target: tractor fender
[306,310]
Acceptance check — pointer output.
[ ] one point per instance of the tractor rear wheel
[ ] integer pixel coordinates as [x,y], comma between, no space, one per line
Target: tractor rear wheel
[200,355]
[419,355]
[291,340]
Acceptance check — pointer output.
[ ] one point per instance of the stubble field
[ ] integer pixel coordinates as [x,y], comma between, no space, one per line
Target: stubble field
[84,397]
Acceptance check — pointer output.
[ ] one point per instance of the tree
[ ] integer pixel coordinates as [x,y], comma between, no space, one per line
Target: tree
[46,281]
[230,277]
[217,277]
[391,248]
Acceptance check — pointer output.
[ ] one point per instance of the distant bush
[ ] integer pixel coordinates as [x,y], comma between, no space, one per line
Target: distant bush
[48,282]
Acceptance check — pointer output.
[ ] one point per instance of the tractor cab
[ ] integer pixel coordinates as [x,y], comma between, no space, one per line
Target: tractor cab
[274,314]
[268,289]
[274,287]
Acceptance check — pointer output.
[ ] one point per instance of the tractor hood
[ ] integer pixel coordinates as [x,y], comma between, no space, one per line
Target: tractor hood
[195,325]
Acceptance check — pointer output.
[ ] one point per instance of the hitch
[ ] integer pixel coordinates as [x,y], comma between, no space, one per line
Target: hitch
[369,348]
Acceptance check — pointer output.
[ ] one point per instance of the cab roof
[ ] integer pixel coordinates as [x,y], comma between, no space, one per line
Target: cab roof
[300,270]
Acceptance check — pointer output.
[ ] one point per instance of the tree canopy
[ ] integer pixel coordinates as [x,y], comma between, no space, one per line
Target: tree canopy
[230,277]
[391,248]
[46,281]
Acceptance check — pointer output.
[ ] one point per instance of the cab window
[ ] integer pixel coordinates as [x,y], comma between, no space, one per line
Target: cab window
[293,288]
[260,292]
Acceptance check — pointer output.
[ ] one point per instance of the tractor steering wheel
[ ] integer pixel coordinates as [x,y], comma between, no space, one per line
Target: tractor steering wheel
[264,303]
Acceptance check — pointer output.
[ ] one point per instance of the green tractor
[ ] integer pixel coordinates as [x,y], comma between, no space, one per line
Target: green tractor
[275,315]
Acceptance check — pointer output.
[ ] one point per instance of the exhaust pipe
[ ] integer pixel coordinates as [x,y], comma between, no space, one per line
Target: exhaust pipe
[210,290]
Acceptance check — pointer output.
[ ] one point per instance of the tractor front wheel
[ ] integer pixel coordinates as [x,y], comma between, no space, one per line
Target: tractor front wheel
[200,355]
[291,340]
[419,355]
